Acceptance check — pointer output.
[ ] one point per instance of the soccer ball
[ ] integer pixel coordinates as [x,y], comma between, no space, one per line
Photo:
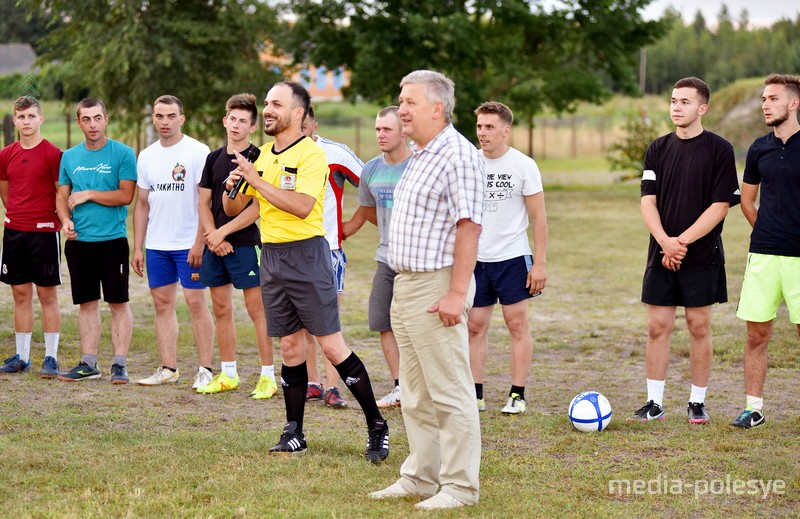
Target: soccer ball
[590,412]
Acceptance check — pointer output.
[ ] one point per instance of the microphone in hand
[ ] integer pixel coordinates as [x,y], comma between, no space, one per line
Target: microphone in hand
[252,156]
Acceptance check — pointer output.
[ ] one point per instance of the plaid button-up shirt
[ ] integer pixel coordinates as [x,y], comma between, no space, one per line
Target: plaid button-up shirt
[442,184]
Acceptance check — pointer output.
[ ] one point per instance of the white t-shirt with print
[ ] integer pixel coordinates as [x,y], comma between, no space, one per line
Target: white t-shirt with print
[171,176]
[505,216]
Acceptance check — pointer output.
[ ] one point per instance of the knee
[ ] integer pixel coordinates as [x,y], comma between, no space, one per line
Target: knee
[698,328]
[517,328]
[757,338]
[197,305]
[48,297]
[657,328]
[255,309]
[476,328]
[222,309]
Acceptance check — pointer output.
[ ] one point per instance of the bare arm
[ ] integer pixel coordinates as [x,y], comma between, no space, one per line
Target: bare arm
[672,248]
[195,255]
[297,204]
[362,215]
[714,214]
[749,207]
[141,215]
[4,191]
[216,239]
[113,198]
[452,304]
[64,213]
[537,276]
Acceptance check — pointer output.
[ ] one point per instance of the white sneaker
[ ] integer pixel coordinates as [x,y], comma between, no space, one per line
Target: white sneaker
[202,378]
[440,501]
[390,400]
[515,405]
[395,491]
[160,376]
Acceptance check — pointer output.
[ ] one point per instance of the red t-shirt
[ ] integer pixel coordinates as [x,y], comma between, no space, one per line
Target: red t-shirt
[32,175]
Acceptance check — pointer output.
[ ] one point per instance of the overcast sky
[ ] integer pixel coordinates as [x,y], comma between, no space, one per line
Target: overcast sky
[761,13]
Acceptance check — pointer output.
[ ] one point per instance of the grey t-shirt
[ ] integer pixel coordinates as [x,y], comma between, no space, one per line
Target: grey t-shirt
[378,180]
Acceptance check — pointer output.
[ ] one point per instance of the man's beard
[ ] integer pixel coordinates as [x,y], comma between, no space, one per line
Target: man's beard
[278,126]
[778,120]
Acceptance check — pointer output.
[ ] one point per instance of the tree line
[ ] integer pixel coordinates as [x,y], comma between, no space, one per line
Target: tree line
[730,50]
[531,56]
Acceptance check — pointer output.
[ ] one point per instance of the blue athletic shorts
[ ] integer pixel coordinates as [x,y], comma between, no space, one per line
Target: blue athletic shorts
[240,267]
[503,281]
[338,262]
[165,267]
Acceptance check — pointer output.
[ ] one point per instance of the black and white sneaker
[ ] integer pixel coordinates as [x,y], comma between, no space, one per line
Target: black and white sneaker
[749,419]
[291,442]
[650,411]
[697,412]
[378,442]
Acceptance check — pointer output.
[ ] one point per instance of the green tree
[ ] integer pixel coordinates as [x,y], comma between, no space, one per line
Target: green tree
[628,153]
[128,52]
[17,25]
[514,51]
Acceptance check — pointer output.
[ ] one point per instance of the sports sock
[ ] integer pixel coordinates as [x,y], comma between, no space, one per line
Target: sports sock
[209,369]
[170,369]
[520,390]
[91,360]
[294,380]
[479,391]
[655,391]
[51,344]
[24,345]
[355,377]
[268,371]
[698,395]
[397,382]
[120,360]
[229,368]
[755,403]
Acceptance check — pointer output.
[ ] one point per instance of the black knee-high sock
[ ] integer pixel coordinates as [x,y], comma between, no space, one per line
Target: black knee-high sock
[355,377]
[294,380]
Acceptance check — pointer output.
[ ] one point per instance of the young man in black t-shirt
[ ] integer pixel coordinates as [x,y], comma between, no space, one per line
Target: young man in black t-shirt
[233,245]
[688,185]
[773,262]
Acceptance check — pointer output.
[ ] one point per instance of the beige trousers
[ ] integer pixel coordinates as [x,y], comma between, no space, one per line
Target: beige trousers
[437,390]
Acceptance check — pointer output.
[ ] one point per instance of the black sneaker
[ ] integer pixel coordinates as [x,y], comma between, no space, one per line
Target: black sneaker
[49,368]
[378,442]
[749,419]
[290,441]
[119,374]
[80,372]
[697,412]
[650,411]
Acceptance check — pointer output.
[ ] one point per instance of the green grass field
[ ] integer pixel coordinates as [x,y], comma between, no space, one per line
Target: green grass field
[93,449]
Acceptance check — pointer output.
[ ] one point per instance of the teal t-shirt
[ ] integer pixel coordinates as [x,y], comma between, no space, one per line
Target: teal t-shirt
[99,170]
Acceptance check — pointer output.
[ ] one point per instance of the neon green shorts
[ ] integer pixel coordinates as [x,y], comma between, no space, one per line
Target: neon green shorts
[768,280]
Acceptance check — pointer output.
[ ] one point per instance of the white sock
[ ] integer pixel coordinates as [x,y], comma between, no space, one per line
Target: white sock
[24,346]
[755,403]
[655,391]
[51,344]
[229,368]
[268,371]
[698,395]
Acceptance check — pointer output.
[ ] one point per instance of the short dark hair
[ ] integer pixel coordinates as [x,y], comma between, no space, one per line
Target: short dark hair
[24,102]
[301,96]
[310,112]
[169,100]
[697,84]
[245,102]
[494,107]
[791,83]
[393,110]
[90,102]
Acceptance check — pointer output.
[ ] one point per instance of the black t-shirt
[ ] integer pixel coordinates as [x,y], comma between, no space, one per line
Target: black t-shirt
[687,176]
[218,167]
[776,166]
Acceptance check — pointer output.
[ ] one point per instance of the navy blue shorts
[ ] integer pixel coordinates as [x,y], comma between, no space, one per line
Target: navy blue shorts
[687,288]
[240,267]
[503,281]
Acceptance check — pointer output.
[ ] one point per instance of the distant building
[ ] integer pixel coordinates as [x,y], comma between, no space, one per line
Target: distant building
[16,58]
[323,84]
